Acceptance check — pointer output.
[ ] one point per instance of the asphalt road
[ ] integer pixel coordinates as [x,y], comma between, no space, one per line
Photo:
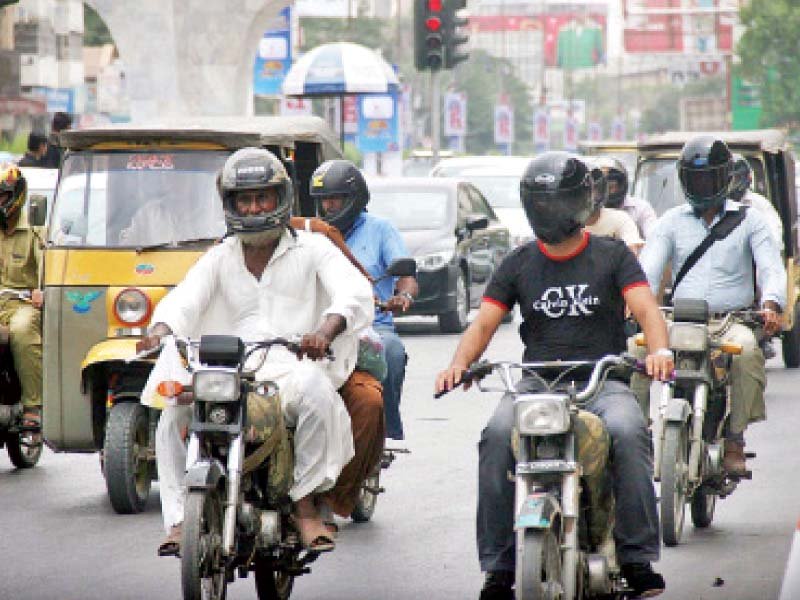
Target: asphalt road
[60,538]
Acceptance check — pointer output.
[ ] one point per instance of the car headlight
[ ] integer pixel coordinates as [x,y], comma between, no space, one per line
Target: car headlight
[433,261]
[216,386]
[688,337]
[541,415]
[132,306]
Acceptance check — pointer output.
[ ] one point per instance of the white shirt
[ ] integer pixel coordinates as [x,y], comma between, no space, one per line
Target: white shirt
[616,224]
[306,279]
[764,206]
[642,214]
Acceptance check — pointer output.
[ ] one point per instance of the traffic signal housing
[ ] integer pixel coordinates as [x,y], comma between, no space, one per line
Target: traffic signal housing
[429,34]
[454,39]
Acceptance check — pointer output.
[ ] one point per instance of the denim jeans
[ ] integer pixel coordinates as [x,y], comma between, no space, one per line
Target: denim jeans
[396,360]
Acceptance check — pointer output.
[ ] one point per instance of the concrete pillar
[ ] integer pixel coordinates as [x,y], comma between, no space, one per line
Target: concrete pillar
[187,57]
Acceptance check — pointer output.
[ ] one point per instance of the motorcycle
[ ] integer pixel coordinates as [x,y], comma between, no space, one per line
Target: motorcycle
[23,443]
[690,414]
[231,524]
[559,548]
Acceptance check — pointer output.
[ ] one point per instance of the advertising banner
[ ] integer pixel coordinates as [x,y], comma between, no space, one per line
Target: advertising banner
[274,57]
[378,123]
[571,128]
[293,107]
[503,124]
[350,117]
[324,8]
[595,131]
[541,130]
[455,114]
[618,129]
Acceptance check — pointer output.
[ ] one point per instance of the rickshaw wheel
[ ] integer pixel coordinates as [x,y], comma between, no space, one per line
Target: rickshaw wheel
[126,457]
[24,449]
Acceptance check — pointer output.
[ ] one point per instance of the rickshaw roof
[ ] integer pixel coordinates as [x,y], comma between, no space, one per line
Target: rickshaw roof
[766,140]
[626,146]
[230,132]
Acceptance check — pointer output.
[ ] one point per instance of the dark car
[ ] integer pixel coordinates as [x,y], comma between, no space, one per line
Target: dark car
[453,234]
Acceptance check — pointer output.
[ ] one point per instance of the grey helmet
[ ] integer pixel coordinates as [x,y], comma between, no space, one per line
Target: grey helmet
[254,169]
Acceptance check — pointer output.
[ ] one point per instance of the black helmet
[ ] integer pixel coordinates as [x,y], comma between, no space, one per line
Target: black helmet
[616,180]
[599,184]
[340,178]
[704,170]
[741,177]
[254,169]
[556,192]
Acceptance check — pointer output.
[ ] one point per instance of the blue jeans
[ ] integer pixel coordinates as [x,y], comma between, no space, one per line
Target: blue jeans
[396,359]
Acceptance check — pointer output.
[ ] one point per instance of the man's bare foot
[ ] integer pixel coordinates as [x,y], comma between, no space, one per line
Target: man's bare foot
[313,533]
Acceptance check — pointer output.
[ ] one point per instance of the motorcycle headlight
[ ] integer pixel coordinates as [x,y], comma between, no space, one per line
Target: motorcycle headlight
[542,415]
[433,261]
[688,337]
[216,386]
[132,306]
[218,414]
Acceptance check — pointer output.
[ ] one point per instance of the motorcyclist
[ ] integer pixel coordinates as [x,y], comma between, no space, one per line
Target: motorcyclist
[21,255]
[741,182]
[637,209]
[610,221]
[723,276]
[268,280]
[582,284]
[342,195]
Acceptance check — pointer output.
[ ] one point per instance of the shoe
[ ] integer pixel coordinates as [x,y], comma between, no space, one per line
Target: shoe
[642,580]
[767,348]
[171,546]
[734,460]
[498,586]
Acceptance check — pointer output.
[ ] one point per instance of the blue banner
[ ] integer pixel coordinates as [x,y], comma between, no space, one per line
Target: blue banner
[57,99]
[378,123]
[274,57]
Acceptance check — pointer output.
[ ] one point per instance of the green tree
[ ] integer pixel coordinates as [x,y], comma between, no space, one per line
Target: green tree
[768,52]
[95,32]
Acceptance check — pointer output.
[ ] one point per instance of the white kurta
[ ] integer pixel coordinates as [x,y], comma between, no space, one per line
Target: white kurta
[306,279]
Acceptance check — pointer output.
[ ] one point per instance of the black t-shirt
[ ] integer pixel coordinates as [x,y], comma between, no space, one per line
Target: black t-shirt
[572,307]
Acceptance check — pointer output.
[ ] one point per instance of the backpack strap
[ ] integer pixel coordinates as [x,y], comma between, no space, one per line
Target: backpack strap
[720,231]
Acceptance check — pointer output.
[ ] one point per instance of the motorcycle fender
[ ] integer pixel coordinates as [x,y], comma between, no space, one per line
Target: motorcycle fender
[678,410]
[117,349]
[204,475]
[538,511]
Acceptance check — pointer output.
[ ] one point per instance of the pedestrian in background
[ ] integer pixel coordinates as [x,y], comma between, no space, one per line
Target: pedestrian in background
[54,154]
[37,148]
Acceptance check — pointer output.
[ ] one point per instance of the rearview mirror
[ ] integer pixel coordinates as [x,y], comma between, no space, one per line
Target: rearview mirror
[37,210]
[402,267]
[475,222]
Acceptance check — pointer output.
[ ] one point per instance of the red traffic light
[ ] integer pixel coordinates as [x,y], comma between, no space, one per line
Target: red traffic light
[433,23]
[435,5]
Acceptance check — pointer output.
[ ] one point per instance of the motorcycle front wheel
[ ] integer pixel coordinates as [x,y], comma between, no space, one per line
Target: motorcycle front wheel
[538,565]
[271,584]
[703,505]
[24,448]
[674,479]
[202,565]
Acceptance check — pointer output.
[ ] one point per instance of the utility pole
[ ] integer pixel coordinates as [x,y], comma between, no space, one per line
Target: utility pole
[436,115]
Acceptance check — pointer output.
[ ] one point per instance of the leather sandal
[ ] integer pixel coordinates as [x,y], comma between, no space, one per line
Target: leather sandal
[171,546]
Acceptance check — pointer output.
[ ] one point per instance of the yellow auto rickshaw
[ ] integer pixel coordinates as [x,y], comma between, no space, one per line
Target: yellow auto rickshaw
[135,207]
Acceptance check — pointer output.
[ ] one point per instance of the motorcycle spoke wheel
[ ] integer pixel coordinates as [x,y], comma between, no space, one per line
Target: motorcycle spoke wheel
[538,565]
[703,505]
[24,448]
[202,565]
[674,480]
[272,584]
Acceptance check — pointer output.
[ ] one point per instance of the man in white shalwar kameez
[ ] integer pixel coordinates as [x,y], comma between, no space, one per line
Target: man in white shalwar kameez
[268,281]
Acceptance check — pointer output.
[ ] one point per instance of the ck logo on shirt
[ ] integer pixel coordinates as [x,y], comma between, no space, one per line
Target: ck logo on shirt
[569,300]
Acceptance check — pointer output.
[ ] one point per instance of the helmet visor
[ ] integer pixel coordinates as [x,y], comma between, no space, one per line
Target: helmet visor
[705,183]
[562,206]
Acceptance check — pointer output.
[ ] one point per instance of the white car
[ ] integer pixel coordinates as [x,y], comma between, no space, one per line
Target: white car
[41,182]
[497,177]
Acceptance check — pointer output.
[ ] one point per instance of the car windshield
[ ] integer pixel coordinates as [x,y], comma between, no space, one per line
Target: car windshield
[501,191]
[133,199]
[410,209]
[657,182]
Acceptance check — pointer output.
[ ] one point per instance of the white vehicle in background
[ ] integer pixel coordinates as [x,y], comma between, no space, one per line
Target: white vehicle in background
[497,177]
[41,182]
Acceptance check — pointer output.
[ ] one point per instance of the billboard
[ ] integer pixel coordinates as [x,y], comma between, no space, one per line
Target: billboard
[679,26]
[455,114]
[274,57]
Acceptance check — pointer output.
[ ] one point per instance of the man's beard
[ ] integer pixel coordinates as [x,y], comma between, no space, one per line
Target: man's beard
[259,238]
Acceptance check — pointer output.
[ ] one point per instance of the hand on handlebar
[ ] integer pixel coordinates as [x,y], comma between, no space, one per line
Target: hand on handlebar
[37,298]
[396,304]
[450,378]
[772,319]
[659,367]
[314,345]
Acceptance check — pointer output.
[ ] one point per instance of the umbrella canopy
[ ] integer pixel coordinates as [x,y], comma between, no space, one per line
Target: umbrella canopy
[340,68]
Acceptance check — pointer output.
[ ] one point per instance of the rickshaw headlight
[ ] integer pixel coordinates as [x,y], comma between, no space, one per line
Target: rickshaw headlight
[216,386]
[132,307]
[542,415]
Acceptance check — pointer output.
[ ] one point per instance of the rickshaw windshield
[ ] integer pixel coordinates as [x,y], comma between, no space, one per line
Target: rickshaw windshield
[134,199]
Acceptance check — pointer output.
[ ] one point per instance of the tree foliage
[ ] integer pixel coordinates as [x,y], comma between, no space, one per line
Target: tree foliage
[769,57]
[95,32]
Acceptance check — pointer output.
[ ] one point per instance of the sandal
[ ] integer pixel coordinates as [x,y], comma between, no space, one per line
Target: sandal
[171,546]
[321,542]
[32,417]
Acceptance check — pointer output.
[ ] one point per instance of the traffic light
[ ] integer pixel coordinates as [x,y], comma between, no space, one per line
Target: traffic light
[453,38]
[429,34]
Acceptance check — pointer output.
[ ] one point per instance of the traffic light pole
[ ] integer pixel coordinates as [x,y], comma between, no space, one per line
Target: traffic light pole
[436,114]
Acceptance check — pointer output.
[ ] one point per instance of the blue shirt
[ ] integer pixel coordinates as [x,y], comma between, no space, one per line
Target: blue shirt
[724,274]
[376,243]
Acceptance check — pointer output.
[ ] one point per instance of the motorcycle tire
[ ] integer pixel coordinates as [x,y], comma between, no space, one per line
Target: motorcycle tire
[702,507]
[538,573]
[24,448]
[790,342]
[125,461]
[367,498]
[456,320]
[674,476]
[271,584]
[202,564]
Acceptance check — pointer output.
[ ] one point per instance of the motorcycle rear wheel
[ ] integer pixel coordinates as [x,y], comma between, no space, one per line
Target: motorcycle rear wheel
[202,565]
[674,479]
[538,565]
[703,505]
[367,498]
[24,448]
[271,584]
